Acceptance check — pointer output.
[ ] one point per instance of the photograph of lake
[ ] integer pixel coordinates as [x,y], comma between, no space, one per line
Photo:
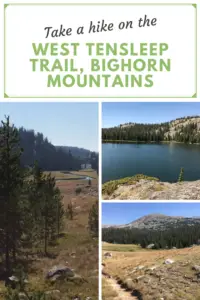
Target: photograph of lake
[151,150]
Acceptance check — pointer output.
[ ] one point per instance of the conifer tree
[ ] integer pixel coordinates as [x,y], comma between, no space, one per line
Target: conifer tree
[11,181]
[59,211]
[181,175]
[36,199]
[70,210]
[93,221]
[49,209]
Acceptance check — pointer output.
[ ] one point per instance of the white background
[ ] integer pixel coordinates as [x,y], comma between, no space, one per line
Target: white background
[90,99]
[175,26]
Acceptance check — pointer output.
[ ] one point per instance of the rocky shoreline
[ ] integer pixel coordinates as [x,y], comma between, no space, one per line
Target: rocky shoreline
[152,189]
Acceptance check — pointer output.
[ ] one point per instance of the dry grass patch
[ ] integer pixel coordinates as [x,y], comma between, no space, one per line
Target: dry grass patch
[108,293]
[176,281]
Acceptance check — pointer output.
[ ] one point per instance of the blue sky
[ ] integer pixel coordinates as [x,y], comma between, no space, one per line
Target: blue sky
[122,213]
[115,113]
[66,124]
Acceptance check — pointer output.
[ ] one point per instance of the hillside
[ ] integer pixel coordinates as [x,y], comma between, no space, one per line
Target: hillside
[37,147]
[76,151]
[160,222]
[144,275]
[186,130]
[155,257]
[53,158]
[82,155]
[160,231]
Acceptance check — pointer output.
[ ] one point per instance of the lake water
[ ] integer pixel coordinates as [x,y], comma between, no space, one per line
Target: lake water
[159,160]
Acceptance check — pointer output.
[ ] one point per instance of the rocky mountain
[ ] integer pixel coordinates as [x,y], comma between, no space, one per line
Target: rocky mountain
[160,222]
[186,129]
[178,125]
[175,125]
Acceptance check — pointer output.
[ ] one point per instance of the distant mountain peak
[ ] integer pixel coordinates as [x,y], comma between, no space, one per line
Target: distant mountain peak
[157,221]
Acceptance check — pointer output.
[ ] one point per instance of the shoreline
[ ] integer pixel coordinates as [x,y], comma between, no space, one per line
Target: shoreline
[142,187]
[144,142]
[143,176]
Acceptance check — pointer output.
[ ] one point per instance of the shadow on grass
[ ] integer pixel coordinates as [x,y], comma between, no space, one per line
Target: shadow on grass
[137,294]
[134,293]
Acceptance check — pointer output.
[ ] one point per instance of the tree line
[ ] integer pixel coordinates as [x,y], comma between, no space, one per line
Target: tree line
[189,133]
[179,237]
[36,147]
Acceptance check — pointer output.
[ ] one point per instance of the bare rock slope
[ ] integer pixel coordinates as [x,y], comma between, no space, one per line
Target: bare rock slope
[156,190]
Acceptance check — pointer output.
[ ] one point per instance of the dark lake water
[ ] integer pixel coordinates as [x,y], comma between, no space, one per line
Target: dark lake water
[159,160]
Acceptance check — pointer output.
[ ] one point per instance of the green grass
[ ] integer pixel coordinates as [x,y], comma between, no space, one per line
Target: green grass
[121,247]
[109,187]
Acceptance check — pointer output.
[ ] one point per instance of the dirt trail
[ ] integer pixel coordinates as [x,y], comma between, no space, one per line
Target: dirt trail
[122,294]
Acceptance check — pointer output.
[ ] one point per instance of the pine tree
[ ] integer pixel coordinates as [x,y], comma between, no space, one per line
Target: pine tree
[70,210]
[59,211]
[93,221]
[181,175]
[11,181]
[49,209]
[36,201]
[45,206]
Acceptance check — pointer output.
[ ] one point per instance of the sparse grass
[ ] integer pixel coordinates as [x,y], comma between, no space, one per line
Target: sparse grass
[78,190]
[109,187]
[175,281]
[108,292]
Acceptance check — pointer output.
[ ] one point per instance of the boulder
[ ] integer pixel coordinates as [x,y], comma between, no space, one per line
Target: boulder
[169,261]
[12,281]
[196,268]
[140,268]
[59,271]
[150,246]
[152,268]
[13,278]
[108,254]
[22,296]
[139,278]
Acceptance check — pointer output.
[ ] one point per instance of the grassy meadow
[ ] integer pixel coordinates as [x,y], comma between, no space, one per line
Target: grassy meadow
[75,246]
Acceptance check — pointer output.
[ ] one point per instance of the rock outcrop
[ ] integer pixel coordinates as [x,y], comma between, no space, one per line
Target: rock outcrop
[156,190]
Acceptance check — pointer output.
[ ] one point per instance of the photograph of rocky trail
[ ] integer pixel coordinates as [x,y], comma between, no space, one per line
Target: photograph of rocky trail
[151,151]
[49,201]
[151,251]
